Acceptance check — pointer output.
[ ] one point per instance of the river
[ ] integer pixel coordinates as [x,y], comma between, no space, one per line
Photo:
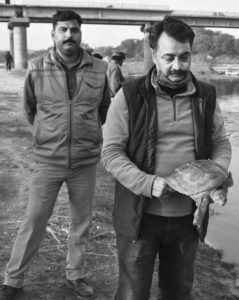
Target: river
[223,231]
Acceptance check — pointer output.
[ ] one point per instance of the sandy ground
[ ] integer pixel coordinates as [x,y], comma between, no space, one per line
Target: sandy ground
[214,280]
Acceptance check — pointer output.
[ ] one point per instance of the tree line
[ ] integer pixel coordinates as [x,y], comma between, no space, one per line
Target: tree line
[207,43]
[215,44]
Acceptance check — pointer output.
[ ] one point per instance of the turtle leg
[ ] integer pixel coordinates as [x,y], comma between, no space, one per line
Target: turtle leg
[201,210]
[219,196]
[199,216]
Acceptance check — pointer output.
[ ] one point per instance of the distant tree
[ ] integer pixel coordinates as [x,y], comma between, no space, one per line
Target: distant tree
[105,51]
[236,47]
[87,47]
[202,44]
[133,48]
[214,43]
[223,44]
[203,41]
[207,43]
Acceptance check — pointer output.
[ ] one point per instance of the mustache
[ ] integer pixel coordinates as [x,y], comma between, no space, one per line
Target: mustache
[69,41]
[178,72]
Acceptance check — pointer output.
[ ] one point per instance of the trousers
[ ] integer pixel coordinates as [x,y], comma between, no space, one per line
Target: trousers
[46,181]
[175,241]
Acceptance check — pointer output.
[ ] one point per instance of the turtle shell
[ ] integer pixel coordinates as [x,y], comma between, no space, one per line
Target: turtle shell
[197,177]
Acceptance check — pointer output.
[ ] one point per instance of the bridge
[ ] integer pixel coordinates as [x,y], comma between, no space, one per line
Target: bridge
[93,13]
[19,18]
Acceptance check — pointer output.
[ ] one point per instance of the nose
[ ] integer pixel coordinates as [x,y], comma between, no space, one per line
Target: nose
[68,33]
[176,64]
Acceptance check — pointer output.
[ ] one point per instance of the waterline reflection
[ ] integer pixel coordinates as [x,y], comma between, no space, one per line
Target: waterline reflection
[224,224]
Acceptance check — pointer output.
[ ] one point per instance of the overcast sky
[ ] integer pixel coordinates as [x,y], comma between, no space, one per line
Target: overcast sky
[109,35]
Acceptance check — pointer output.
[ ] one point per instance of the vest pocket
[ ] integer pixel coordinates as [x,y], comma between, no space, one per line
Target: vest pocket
[92,88]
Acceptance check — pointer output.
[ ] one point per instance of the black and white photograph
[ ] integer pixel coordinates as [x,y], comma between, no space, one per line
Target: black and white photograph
[119,150]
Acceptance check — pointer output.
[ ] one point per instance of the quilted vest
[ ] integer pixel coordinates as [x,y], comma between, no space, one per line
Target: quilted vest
[141,101]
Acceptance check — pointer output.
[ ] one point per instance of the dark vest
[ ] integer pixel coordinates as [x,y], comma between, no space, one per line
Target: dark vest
[141,101]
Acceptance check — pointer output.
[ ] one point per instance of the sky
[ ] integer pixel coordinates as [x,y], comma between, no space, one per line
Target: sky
[38,35]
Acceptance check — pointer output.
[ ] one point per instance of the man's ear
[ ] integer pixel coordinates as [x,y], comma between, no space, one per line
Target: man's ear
[154,53]
[52,34]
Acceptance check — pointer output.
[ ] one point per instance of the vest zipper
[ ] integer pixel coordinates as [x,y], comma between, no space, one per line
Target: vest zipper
[174,109]
[70,117]
[70,130]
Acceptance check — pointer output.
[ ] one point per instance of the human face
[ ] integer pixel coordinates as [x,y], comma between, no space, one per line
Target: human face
[172,58]
[120,61]
[67,38]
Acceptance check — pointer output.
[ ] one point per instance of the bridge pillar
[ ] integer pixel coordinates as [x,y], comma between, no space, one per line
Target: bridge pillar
[11,43]
[148,62]
[19,25]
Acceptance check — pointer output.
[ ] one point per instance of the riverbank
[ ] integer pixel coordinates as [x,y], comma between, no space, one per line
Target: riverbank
[214,280]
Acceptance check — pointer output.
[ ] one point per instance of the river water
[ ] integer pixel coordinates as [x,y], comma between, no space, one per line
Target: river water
[223,231]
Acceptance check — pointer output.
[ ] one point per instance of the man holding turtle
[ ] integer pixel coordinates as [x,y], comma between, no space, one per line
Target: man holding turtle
[155,124]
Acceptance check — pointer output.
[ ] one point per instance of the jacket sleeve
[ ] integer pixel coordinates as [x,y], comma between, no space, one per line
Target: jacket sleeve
[105,103]
[29,98]
[221,147]
[114,155]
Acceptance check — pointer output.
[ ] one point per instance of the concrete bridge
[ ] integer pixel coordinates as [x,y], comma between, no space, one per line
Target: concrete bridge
[19,18]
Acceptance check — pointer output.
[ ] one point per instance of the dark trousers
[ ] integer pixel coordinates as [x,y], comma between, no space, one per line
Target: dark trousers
[175,241]
[8,66]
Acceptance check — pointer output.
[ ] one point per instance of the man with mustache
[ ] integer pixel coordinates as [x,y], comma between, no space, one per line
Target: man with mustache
[155,124]
[66,98]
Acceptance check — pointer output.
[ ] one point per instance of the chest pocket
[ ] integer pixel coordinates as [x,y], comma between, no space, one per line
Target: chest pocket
[50,87]
[92,88]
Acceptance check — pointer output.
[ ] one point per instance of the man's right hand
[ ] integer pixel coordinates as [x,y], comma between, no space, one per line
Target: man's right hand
[160,187]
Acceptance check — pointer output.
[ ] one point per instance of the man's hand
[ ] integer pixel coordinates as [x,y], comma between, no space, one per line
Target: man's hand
[160,187]
[219,195]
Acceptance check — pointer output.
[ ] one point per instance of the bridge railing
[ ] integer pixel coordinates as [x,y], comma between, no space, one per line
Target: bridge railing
[87,4]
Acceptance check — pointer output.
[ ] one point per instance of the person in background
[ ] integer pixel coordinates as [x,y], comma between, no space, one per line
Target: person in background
[66,98]
[97,55]
[89,50]
[9,61]
[155,124]
[114,73]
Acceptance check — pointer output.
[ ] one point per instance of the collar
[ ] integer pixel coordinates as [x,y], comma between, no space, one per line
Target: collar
[83,59]
[189,90]
[73,65]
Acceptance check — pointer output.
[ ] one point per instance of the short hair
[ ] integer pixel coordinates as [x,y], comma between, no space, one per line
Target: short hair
[175,28]
[65,15]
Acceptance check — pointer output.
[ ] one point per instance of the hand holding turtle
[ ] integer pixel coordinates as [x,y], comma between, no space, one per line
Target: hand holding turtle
[219,195]
[205,182]
[160,187]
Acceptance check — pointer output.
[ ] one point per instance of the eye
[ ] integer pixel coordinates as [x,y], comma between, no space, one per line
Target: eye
[185,57]
[62,29]
[168,58]
[75,30]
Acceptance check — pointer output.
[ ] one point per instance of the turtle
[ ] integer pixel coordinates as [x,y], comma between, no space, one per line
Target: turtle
[205,182]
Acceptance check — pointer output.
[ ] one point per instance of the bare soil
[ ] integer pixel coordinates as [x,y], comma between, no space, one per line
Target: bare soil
[215,280]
